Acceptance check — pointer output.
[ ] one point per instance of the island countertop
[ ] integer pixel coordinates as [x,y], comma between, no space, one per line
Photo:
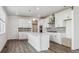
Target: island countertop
[40,41]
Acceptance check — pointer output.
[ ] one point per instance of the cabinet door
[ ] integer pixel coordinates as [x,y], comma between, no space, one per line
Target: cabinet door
[23,35]
[69,29]
[52,37]
[59,20]
[55,38]
[61,16]
[68,14]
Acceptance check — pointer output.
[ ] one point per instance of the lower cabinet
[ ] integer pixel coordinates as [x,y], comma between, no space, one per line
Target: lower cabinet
[39,41]
[22,35]
[57,37]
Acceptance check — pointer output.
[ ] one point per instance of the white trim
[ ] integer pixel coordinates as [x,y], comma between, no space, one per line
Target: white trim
[2,33]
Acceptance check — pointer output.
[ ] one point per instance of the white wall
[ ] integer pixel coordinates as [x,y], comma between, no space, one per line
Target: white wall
[12,27]
[3,36]
[75,41]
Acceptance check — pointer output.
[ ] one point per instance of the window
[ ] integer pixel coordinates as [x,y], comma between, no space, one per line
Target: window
[2,26]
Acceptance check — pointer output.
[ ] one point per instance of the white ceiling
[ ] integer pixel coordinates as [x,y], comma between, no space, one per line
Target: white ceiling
[34,11]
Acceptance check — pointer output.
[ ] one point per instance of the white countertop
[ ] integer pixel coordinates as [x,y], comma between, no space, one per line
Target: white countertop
[38,34]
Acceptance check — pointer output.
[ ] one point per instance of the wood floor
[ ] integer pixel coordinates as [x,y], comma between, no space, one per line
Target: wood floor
[59,48]
[22,46]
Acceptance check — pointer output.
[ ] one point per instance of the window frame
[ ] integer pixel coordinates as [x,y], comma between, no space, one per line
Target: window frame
[2,26]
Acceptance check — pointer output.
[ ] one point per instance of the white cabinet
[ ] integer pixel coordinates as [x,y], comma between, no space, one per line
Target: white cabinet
[59,20]
[44,23]
[25,23]
[69,29]
[68,14]
[40,41]
[23,35]
[61,16]
[57,37]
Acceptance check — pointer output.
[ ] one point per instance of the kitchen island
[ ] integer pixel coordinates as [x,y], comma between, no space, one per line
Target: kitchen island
[39,41]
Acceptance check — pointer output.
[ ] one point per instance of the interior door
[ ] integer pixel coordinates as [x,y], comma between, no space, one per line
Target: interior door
[35,26]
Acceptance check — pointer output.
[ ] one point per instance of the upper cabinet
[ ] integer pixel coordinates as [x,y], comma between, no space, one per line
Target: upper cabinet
[25,23]
[59,20]
[61,16]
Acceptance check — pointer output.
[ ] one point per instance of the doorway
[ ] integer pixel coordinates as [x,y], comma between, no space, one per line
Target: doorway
[35,26]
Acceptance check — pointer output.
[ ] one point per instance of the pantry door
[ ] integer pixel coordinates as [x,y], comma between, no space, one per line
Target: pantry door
[35,26]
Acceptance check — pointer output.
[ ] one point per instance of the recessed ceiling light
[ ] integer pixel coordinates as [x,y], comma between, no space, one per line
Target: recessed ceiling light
[34,19]
[37,8]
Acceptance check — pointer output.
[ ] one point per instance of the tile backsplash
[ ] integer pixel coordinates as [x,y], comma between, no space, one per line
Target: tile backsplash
[24,29]
[57,29]
[61,29]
